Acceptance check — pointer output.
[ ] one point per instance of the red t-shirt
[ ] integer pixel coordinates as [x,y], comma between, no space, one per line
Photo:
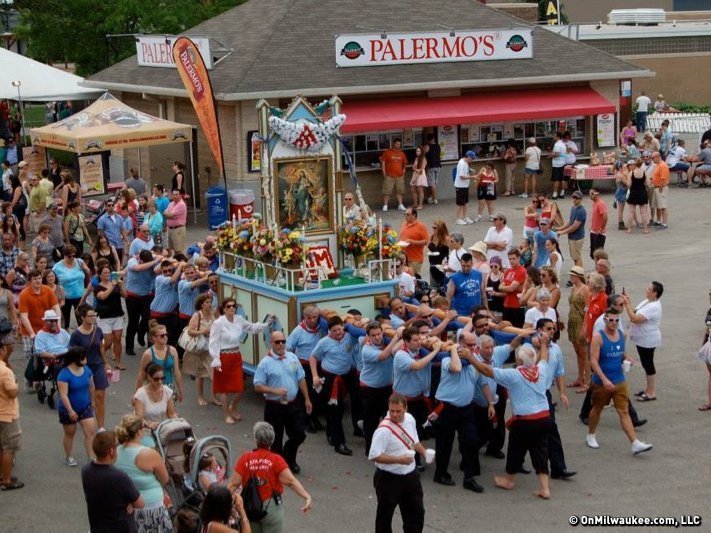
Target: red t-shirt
[266,466]
[597,306]
[517,273]
[35,305]
[599,209]
[416,231]
[395,162]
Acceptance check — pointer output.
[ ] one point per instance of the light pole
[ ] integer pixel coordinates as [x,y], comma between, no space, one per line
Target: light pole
[18,84]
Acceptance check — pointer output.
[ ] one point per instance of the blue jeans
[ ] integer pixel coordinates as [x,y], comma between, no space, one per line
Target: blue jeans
[641,119]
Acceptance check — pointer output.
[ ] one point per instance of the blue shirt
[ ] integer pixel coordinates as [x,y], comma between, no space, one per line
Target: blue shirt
[71,279]
[166,297]
[139,244]
[526,398]
[556,367]
[155,222]
[375,373]
[78,393]
[410,383]
[139,282]
[277,373]
[457,388]
[162,203]
[302,342]
[54,343]
[540,239]
[186,297]
[498,358]
[110,226]
[577,212]
[610,361]
[467,291]
[336,356]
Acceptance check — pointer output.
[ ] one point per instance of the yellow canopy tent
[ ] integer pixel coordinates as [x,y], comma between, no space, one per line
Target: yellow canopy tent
[109,124]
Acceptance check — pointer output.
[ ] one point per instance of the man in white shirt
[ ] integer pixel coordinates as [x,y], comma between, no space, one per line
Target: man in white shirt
[558,165]
[532,167]
[396,480]
[461,185]
[643,102]
[678,162]
[498,240]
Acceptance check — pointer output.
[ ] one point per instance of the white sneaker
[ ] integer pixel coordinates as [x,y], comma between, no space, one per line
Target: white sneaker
[554,195]
[435,201]
[461,222]
[591,441]
[401,208]
[430,201]
[640,447]
[468,220]
[385,209]
[477,219]
[70,461]
[524,195]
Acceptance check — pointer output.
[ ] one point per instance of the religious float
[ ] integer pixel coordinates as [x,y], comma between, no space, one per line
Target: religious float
[278,262]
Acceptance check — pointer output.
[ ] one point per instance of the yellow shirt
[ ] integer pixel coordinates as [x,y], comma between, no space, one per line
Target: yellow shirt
[9,407]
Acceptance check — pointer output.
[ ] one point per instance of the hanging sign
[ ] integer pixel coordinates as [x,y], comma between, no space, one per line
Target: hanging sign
[366,50]
[449,142]
[552,13]
[91,174]
[158,51]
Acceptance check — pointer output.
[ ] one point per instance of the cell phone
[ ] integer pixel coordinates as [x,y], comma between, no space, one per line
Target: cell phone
[114,277]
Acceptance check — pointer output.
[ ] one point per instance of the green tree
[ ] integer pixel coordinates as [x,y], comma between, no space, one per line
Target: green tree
[76,31]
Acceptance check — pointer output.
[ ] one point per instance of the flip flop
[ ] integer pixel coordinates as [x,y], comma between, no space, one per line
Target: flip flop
[574,384]
[640,393]
[705,407]
[645,398]
[13,485]
[120,367]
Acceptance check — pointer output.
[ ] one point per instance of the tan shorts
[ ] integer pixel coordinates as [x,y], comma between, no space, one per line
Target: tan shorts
[576,249]
[10,436]
[416,266]
[397,183]
[601,396]
[660,197]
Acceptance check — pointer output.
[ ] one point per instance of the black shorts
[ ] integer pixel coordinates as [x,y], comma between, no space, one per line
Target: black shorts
[482,193]
[87,412]
[557,173]
[462,197]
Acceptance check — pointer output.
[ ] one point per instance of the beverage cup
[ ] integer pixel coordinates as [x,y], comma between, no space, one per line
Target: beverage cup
[429,456]
[626,365]
[115,376]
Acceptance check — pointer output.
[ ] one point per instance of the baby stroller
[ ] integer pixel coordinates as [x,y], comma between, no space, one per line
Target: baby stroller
[42,370]
[170,435]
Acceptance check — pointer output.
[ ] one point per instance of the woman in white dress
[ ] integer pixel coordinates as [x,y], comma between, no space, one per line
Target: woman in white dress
[555,258]
[419,178]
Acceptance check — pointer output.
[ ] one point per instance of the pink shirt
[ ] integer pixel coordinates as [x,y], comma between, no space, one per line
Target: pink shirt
[180,214]
[599,210]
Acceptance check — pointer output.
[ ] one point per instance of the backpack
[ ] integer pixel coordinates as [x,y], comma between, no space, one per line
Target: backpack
[253,504]
[454,173]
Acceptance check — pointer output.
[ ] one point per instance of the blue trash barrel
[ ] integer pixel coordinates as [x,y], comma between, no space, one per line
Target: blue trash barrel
[218,208]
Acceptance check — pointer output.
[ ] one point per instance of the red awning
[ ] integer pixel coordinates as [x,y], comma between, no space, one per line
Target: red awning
[478,108]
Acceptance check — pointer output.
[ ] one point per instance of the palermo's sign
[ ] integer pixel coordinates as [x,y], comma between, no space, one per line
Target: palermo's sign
[152,51]
[363,50]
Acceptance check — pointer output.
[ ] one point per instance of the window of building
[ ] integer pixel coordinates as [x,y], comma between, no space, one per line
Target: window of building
[365,149]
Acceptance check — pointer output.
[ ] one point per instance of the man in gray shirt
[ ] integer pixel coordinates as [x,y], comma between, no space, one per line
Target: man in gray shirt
[135,182]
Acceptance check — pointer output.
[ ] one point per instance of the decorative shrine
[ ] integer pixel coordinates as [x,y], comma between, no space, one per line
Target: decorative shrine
[278,262]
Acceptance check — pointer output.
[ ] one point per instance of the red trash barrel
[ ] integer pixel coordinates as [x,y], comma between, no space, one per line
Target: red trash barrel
[241,203]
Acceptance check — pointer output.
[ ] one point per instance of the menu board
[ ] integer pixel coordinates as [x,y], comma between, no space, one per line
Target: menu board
[91,175]
[606,130]
[449,142]
[36,159]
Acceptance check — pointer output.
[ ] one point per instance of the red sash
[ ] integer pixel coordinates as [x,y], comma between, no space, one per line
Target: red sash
[400,433]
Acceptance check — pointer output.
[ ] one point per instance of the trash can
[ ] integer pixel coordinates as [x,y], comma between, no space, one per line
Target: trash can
[217,210]
[241,203]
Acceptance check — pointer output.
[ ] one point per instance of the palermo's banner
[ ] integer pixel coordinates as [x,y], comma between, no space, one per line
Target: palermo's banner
[191,68]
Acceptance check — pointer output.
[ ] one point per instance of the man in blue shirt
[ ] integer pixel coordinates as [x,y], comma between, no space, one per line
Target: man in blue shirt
[335,352]
[464,288]
[280,378]
[607,353]
[165,299]
[139,293]
[575,229]
[540,253]
[110,225]
[376,378]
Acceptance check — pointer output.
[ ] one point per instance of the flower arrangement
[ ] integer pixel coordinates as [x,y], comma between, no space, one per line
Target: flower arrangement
[262,243]
[290,248]
[353,239]
[390,249]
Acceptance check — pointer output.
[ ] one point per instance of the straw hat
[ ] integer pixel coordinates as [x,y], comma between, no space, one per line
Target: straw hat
[479,247]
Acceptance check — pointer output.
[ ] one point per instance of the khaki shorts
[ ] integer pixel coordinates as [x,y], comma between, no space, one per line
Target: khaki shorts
[660,197]
[10,436]
[576,249]
[397,183]
[601,396]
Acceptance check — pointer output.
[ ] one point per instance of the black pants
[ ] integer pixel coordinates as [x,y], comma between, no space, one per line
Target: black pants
[375,406]
[69,303]
[587,407]
[646,357]
[516,316]
[290,418]
[528,436]
[461,420]
[435,377]
[498,433]
[555,445]
[335,409]
[318,405]
[404,491]
[597,240]
[484,426]
[139,312]
[79,245]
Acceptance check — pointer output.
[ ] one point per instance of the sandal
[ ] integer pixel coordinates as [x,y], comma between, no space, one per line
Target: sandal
[575,384]
[645,398]
[120,367]
[705,407]
[229,420]
[13,485]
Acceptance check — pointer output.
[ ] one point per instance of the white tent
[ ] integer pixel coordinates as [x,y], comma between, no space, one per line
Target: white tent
[39,82]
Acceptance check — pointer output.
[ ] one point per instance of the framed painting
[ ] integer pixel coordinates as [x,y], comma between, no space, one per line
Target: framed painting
[304,194]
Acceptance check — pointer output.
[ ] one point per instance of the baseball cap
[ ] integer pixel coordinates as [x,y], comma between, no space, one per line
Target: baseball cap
[545,221]
[470,154]
[50,315]
[631,162]
[531,140]
[577,194]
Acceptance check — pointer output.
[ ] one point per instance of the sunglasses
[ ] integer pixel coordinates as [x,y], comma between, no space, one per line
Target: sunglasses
[161,335]
[158,378]
[109,205]
[279,342]
[230,306]
[612,319]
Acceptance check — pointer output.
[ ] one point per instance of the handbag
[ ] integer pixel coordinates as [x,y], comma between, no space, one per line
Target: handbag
[5,326]
[192,343]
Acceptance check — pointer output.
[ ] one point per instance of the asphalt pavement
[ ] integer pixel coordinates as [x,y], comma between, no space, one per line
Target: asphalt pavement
[669,481]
